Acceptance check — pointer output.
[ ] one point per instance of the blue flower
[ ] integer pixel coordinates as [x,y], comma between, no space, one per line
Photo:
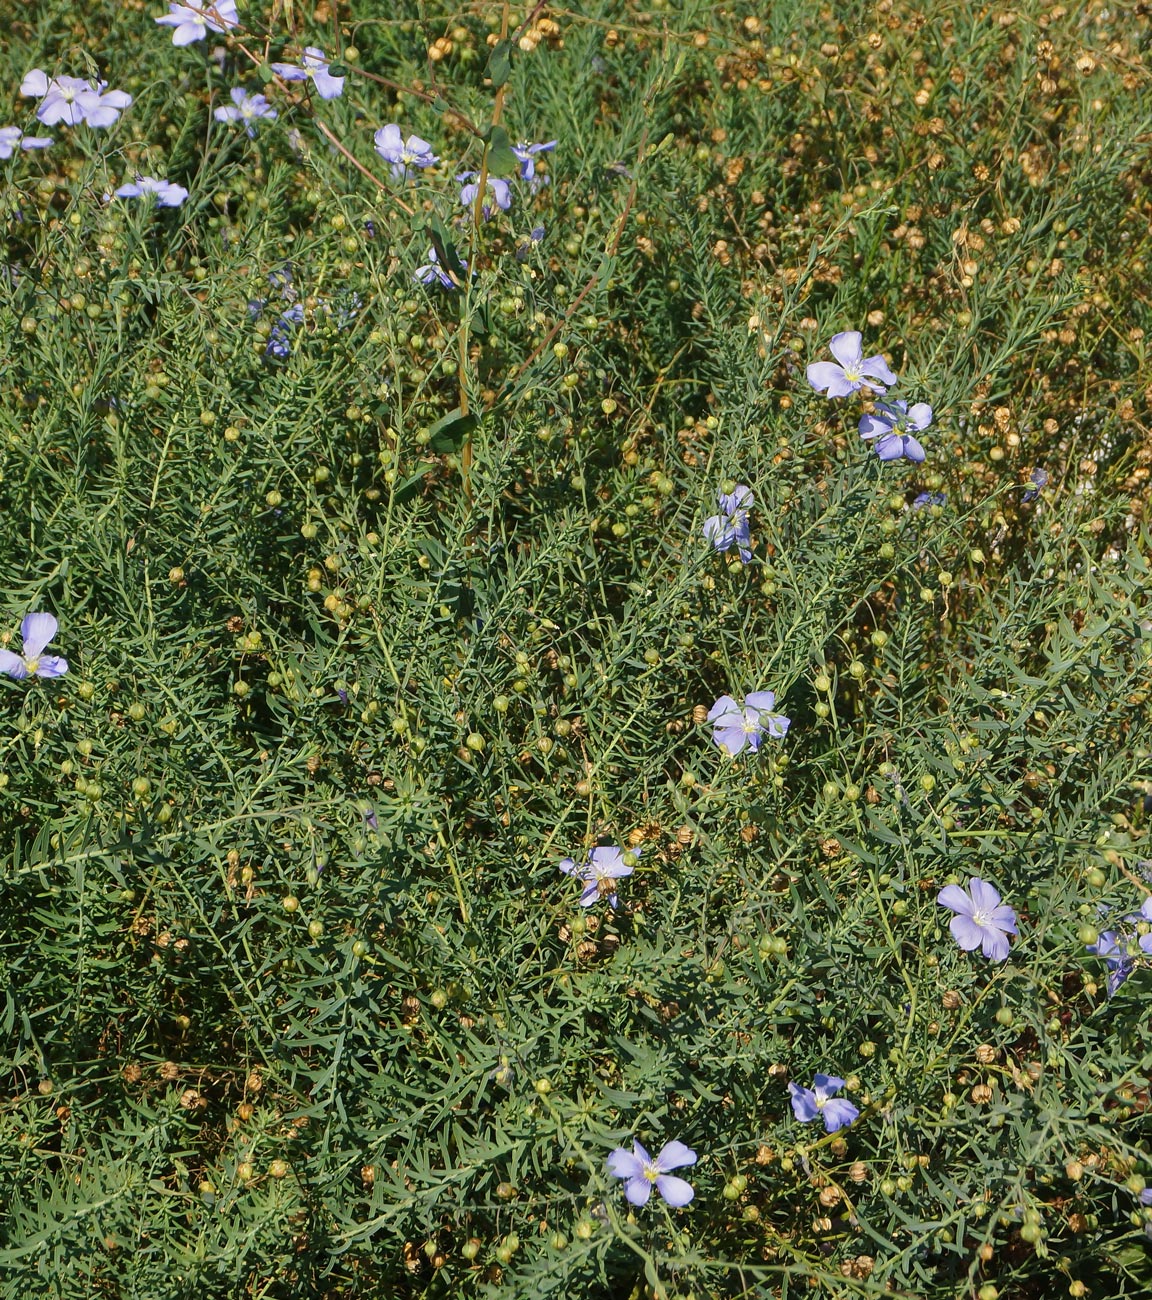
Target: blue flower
[193,22]
[280,277]
[922,499]
[279,340]
[1039,480]
[731,526]
[36,631]
[1144,915]
[604,867]
[525,244]
[735,727]
[12,138]
[166,193]
[433,273]
[982,920]
[641,1173]
[501,192]
[526,153]
[1119,952]
[892,424]
[404,155]
[1115,955]
[245,108]
[72,100]
[808,1103]
[314,68]
[854,371]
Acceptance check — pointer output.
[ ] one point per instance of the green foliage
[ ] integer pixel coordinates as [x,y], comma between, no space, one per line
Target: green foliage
[294,998]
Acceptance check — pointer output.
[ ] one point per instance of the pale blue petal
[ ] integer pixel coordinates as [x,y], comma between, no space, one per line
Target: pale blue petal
[829,378]
[724,705]
[874,426]
[761,701]
[625,1164]
[877,368]
[957,899]
[996,947]
[1003,918]
[740,498]
[37,630]
[823,1084]
[984,896]
[674,1155]
[912,449]
[838,1114]
[13,665]
[919,417]
[731,739]
[803,1103]
[674,1190]
[35,82]
[845,347]
[967,933]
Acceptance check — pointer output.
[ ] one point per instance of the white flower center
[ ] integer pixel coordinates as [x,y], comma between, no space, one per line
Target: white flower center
[852,375]
[650,1171]
[981,918]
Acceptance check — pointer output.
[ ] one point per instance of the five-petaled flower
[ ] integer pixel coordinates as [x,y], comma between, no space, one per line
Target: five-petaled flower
[808,1103]
[642,1172]
[1113,951]
[12,138]
[526,155]
[36,630]
[62,99]
[245,108]
[605,866]
[192,22]
[72,100]
[501,192]
[731,526]
[433,273]
[1039,479]
[526,243]
[314,68]
[892,424]
[735,727]
[982,920]
[166,193]
[854,371]
[1119,951]
[406,156]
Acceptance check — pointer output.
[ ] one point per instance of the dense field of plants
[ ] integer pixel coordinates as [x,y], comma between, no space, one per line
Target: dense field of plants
[574,715]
